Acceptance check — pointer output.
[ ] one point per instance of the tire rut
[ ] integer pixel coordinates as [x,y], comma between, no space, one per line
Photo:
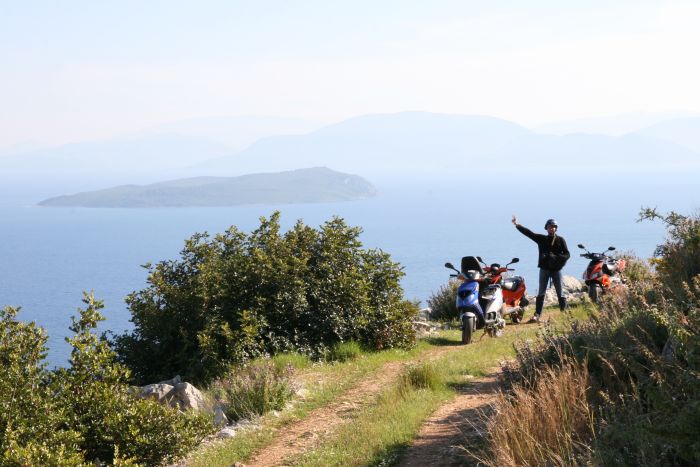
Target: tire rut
[455,427]
[322,422]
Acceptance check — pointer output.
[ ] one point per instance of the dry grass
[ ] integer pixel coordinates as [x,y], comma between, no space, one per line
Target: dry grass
[550,424]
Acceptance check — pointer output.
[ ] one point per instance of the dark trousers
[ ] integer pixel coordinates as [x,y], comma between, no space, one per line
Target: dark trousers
[545,276]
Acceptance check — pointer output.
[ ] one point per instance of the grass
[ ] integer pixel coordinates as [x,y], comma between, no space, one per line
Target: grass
[323,382]
[254,390]
[344,352]
[380,433]
[554,420]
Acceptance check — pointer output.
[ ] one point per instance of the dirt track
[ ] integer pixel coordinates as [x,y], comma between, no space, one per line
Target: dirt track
[454,427]
[449,426]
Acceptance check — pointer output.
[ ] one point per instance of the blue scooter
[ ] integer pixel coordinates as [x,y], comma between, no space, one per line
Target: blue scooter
[477,308]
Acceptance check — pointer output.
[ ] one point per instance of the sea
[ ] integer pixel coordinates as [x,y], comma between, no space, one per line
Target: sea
[49,256]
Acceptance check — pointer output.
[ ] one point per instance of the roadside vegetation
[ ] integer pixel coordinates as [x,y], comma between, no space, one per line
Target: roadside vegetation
[275,326]
[622,388]
[84,413]
[380,431]
[214,317]
[235,297]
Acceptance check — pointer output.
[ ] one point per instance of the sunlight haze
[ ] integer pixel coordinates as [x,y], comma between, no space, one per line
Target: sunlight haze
[77,71]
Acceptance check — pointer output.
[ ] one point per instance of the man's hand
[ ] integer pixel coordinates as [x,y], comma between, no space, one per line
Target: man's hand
[515,221]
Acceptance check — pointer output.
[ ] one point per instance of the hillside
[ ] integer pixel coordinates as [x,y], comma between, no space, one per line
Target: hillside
[315,185]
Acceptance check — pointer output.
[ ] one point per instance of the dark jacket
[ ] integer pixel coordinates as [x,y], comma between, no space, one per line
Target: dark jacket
[553,251]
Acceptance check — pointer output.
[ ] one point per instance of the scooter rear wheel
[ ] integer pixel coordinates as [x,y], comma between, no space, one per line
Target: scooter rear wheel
[593,293]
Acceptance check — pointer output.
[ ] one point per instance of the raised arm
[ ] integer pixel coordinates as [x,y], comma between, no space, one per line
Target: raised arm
[524,230]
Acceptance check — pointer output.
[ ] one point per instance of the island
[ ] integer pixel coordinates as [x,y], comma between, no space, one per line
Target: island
[312,185]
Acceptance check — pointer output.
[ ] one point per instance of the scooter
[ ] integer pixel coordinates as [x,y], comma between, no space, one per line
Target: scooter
[603,272]
[514,299]
[479,301]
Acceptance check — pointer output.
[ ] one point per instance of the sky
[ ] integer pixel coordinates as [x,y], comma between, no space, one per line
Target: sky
[78,70]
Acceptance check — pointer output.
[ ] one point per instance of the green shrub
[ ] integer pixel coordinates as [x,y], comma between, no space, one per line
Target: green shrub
[254,390]
[237,296]
[95,401]
[32,428]
[83,413]
[677,260]
[442,304]
[343,352]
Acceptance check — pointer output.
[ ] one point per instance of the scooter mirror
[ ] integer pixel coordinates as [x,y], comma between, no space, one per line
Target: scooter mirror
[479,258]
[449,266]
[611,248]
[581,246]
[514,260]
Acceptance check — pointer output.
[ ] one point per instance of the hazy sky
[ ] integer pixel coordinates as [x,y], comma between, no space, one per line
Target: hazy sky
[74,70]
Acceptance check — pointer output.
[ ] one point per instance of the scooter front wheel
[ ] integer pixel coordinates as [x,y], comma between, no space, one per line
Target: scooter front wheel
[467,330]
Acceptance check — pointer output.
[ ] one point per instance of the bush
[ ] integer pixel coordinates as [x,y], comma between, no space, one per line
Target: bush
[254,390]
[32,429]
[237,296]
[442,304]
[677,260]
[95,400]
[80,414]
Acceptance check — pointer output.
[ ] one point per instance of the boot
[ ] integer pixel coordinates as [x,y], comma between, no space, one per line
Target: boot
[562,303]
[539,304]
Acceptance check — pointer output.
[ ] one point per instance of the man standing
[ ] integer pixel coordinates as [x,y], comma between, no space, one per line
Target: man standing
[553,255]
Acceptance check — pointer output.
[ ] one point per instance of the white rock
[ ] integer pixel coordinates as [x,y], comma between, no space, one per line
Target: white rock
[160,392]
[188,397]
[220,418]
[227,432]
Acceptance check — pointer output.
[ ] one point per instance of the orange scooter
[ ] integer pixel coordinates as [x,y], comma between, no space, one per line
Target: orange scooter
[603,272]
[514,299]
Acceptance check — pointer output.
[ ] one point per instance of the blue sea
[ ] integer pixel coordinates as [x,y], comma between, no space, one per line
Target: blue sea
[50,255]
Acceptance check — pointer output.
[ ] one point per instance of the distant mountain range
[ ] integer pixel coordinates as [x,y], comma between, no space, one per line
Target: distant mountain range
[313,185]
[408,143]
[431,144]
[378,144]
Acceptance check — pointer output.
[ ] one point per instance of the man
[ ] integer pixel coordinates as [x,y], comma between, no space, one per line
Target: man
[553,255]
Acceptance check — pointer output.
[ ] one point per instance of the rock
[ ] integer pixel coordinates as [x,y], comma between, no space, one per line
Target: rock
[159,392]
[220,418]
[173,381]
[424,328]
[670,349]
[188,397]
[181,395]
[572,288]
[572,285]
[227,432]
[424,314]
